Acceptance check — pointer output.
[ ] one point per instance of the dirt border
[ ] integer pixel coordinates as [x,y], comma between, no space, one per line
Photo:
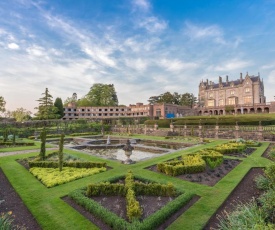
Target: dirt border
[244,192]
[99,223]
[13,203]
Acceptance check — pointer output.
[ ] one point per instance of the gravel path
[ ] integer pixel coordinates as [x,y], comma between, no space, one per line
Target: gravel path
[4,154]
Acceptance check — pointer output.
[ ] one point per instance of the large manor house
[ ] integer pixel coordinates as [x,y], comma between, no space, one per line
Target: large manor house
[239,96]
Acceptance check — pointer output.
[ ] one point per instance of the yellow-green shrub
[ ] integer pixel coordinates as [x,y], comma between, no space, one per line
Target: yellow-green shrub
[230,148]
[188,164]
[52,176]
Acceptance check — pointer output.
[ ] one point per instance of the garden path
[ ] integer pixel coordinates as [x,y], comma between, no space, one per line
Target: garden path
[4,154]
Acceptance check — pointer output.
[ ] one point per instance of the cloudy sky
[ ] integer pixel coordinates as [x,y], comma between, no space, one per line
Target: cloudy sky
[143,47]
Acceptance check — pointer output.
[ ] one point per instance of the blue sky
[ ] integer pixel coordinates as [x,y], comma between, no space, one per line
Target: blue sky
[143,47]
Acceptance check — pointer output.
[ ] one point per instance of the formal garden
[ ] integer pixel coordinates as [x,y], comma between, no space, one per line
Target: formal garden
[50,186]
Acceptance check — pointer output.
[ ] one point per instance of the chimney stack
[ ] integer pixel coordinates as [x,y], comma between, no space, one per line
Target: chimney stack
[226,78]
[241,77]
[220,79]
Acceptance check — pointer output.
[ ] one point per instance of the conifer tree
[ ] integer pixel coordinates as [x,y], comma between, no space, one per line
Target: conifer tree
[59,105]
[46,109]
[60,152]
[43,136]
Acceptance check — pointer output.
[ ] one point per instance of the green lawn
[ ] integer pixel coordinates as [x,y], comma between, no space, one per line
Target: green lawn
[51,212]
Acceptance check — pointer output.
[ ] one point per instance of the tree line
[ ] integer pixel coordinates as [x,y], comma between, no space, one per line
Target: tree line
[186,99]
[98,95]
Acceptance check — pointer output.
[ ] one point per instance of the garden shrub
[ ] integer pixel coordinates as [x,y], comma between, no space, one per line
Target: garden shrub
[105,188]
[51,177]
[116,222]
[270,174]
[271,153]
[229,148]
[262,182]
[6,222]
[213,163]
[188,164]
[267,201]
[245,216]
[74,164]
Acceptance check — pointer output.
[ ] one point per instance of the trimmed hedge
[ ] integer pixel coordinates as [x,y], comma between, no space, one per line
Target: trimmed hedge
[74,164]
[189,164]
[116,222]
[229,148]
[105,188]
[249,119]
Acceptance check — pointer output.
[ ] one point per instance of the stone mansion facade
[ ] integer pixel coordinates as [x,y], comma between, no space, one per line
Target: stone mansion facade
[240,96]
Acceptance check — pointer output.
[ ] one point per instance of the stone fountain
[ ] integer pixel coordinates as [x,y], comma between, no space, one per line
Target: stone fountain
[128,152]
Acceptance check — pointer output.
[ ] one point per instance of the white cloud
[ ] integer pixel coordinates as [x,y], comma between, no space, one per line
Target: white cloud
[268,66]
[176,65]
[142,4]
[36,50]
[13,46]
[271,78]
[209,32]
[152,24]
[137,64]
[231,65]
[100,55]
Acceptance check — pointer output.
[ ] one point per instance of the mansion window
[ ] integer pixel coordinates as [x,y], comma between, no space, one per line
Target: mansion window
[232,92]
[247,90]
[211,94]
[211,103]
[158,112]
[232,101]
[221,102]
[247,100]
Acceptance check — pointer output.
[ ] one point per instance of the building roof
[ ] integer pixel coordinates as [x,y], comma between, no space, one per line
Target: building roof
[228,83]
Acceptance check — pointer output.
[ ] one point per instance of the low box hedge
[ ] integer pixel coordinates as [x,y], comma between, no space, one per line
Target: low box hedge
[74,164]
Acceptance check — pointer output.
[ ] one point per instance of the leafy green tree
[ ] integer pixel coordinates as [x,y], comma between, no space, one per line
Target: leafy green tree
[188,99]
[84,102]
[21,114]
[71,99]
[2,104]
[153,99]
[166,98]
[46,109]
[59,105]
[102,95]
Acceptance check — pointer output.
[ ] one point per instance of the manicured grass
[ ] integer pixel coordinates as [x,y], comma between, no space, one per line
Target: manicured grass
[51,212]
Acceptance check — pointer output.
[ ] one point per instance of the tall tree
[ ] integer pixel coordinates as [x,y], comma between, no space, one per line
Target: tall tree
[21,114]
[2,104]
[153,99]
[46,109]
[188,99]
[71,99]
[102,95]
[166,98]
[59,105]
[84,102]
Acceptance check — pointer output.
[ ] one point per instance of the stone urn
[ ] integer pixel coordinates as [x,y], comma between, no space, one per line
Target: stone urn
[128,152]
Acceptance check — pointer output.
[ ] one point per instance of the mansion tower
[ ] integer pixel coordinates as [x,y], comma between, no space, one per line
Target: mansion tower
[244,95]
